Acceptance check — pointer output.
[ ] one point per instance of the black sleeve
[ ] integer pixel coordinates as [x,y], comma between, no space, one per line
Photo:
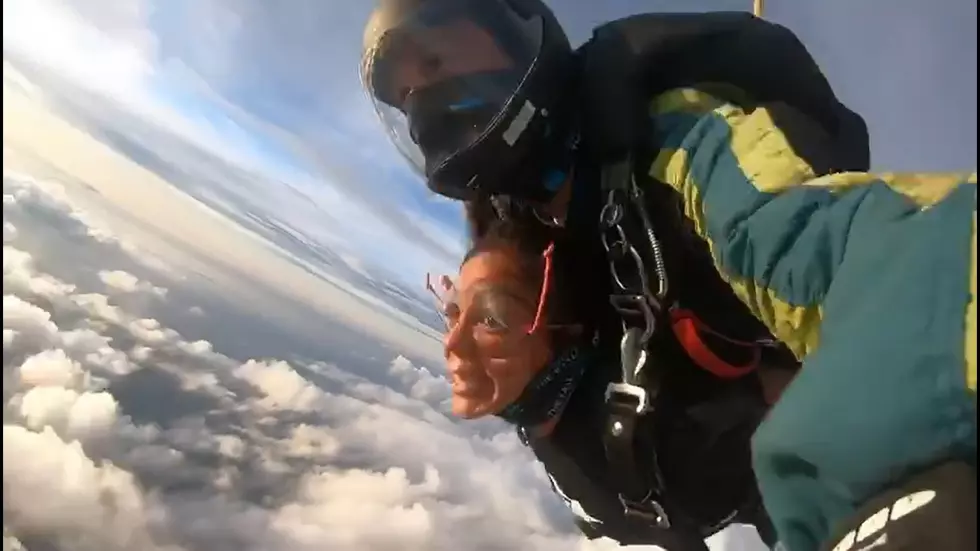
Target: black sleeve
[934,510]
[598,512]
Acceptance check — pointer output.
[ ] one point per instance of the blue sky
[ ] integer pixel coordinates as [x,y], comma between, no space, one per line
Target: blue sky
[273,87]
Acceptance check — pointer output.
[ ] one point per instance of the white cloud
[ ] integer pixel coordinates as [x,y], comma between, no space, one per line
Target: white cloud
[106,49]
[51,195]
[9,231]
[52,368]
[8,338]
[420,383]
[125,282]
[281,386]
[110,196]
[66,494]
[69,412]
[77,498]
[114,57]
[102,452]
[17,266]
[16,82]
[24,319]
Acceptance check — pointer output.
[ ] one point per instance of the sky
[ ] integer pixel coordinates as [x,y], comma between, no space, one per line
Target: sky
[273,88]
[215,335]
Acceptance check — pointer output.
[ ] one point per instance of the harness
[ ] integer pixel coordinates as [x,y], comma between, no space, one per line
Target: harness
[625,64]
[644,306]
[621,65]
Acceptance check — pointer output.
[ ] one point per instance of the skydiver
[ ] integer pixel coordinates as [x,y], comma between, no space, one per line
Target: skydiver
[700,187]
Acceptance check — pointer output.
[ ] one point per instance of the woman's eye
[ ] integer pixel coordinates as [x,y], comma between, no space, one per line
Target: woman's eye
[451,314]
[494,324]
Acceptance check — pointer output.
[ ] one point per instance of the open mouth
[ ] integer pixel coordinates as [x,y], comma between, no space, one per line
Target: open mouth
[464,390]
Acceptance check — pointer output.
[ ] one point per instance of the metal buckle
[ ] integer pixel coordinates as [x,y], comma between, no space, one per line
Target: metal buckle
[523,436]
[630,301]
[642,397]
[637,305]
[649,510]
[633,356]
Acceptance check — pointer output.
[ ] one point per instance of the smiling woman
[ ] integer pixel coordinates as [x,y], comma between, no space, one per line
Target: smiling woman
[523,344]
[502,330]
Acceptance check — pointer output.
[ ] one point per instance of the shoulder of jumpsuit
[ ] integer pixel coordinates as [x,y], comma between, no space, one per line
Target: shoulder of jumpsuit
[732,52]
[760,187]
[731,55]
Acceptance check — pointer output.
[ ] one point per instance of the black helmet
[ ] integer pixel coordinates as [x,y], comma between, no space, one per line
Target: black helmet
[470,91]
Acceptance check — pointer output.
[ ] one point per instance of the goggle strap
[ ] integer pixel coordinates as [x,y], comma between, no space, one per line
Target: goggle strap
[545,288]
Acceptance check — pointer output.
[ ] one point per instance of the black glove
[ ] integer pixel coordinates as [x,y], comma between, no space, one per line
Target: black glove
[933,511]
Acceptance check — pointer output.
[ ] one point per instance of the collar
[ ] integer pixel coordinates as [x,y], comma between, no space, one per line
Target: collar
[551,389]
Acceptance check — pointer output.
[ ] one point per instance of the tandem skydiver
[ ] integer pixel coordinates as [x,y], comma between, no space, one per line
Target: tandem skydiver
[692,181]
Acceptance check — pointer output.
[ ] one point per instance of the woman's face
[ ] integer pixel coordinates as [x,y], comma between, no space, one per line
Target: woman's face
[490,355]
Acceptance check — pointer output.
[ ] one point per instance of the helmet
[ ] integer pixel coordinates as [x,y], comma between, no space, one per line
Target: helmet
[470,91]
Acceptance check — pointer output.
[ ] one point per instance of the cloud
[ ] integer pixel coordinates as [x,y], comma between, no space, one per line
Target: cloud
[108,195]
[97,477]
[419,382]
[9,231]
[125,282]
[107,49]
[50,196]
[234,80]
[121,432]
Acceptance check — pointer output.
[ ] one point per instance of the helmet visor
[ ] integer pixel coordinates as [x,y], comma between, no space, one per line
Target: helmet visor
[440,73]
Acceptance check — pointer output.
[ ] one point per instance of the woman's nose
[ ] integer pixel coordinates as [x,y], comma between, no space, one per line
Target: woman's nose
[458,342]
[459,352]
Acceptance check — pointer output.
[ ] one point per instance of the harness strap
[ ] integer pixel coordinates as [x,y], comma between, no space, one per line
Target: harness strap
[628,400]
[688,329]
[636,493]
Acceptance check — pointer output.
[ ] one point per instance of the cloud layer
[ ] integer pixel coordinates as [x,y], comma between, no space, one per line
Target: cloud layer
[121,433]
[273,271]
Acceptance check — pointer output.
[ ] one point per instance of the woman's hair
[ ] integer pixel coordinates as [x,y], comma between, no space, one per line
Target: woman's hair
[518,231]
[579,290]
[493,223]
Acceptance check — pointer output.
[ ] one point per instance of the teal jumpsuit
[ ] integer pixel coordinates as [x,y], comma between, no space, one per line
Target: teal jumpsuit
[870,279]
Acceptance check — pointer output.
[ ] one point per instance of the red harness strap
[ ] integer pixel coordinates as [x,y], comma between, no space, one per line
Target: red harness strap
[688,329]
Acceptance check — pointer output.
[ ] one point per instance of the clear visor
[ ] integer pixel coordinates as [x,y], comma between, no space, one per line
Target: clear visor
[441,74]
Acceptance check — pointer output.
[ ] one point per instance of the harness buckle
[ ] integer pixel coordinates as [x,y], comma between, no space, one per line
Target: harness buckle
[637,305]
[633,355]
[626,392]
[648,510]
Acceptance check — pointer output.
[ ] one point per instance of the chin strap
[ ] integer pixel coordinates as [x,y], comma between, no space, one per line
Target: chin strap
[551,389]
